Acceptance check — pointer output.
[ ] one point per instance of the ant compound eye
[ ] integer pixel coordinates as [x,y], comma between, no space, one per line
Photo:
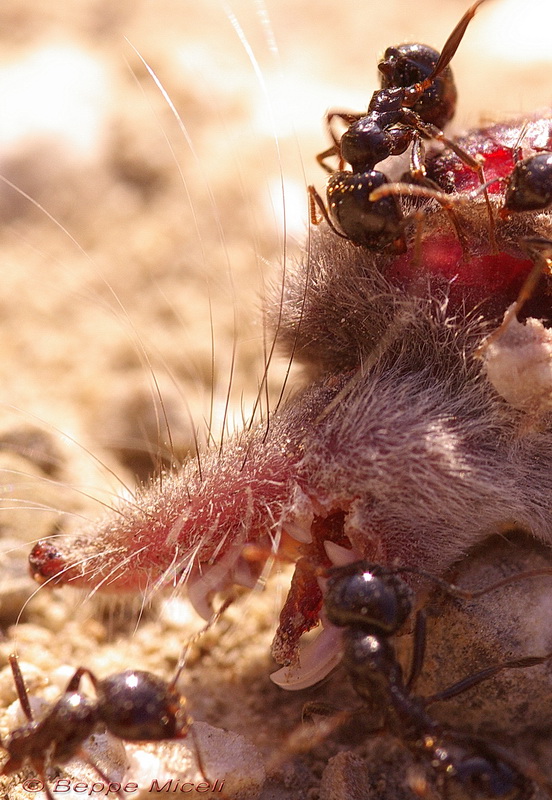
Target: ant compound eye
[409,64]
[363,221]
[140,706]
[365,596]
[529,187]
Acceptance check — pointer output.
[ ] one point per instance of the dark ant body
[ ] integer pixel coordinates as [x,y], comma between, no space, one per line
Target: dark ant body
[529,186]
[371,603]
[132,705]
[417,98]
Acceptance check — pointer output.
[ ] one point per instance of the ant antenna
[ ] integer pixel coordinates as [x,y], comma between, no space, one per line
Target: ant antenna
[468,594]
[447,54]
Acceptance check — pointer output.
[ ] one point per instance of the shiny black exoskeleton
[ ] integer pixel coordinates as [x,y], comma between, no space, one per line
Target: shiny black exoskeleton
[132,705]
[372,603]
[529,185]
[409,64]
[417,99]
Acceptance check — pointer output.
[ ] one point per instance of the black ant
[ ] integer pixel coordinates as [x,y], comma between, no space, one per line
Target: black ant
[371,603]
[529,185]
[417,98]
[132,705]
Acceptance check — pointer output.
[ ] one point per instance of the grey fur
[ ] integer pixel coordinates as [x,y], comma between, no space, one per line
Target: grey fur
[420,451]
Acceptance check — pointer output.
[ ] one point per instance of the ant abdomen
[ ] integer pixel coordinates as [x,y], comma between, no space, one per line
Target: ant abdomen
[139,706]
[484,775]
[408,64]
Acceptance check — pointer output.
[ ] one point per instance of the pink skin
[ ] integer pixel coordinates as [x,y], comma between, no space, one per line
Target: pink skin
[399,448]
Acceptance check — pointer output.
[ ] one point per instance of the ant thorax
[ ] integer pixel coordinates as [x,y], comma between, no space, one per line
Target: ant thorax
[386,423]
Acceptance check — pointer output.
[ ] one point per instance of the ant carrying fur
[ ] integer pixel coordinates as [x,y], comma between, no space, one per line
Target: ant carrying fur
[416,99]
[371,603]
[132,705]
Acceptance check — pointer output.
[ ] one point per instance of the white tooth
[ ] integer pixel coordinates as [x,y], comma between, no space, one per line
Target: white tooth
[298,531]
[198,593]
[297,521]
[242,576]
[316,661]
[339,556]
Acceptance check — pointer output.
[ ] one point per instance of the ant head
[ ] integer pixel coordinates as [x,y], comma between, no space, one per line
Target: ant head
[367,596]
[529,186]
[409,64]
[139,706]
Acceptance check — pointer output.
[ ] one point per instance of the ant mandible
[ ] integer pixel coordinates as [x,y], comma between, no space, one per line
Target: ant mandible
[132,705]
[417,99]
[371,603]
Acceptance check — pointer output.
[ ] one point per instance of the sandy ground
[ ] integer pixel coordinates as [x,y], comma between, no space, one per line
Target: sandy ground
[135,242]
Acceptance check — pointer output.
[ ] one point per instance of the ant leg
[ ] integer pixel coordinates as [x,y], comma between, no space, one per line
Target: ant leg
[446,201]
[319,708]
[316,200]
[199,757]
[321,157]
[517,153]
[418,784]
[419,219]
[418,650]
[540,252]
[191,640]
[473,594]
[45,787]
[418,173]
[21,689]
[105,778]
[307,736]
[483,675]
[335,150]
[449,48]
[417,158]
[74,682]
[473,163]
